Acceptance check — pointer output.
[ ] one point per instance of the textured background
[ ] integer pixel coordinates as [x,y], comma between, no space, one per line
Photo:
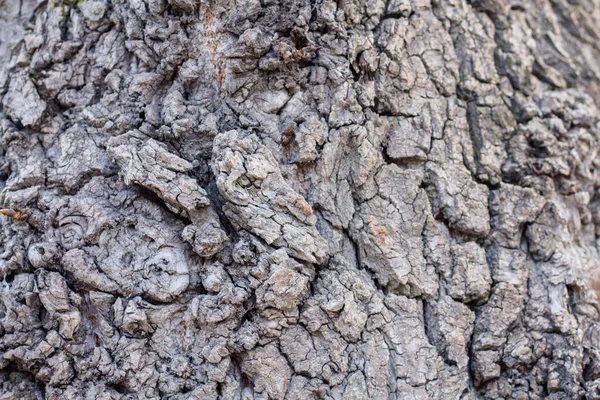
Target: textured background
[299,199]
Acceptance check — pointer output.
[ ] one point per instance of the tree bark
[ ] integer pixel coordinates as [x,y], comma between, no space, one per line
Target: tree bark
[299,199]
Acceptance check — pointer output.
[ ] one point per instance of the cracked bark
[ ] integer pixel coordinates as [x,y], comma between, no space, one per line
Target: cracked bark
[299,199]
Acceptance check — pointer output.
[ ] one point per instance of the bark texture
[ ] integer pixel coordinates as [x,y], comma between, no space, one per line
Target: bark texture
[299,199]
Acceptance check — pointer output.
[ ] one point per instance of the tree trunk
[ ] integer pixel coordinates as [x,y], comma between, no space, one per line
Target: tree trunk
[299,199]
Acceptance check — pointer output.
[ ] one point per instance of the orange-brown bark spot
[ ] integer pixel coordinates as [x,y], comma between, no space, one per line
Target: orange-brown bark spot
[304,206]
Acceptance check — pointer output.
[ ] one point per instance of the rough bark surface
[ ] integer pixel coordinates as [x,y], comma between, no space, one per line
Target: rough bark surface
[299,199]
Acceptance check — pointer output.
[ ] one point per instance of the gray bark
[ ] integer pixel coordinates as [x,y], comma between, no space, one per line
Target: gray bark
[299,199]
